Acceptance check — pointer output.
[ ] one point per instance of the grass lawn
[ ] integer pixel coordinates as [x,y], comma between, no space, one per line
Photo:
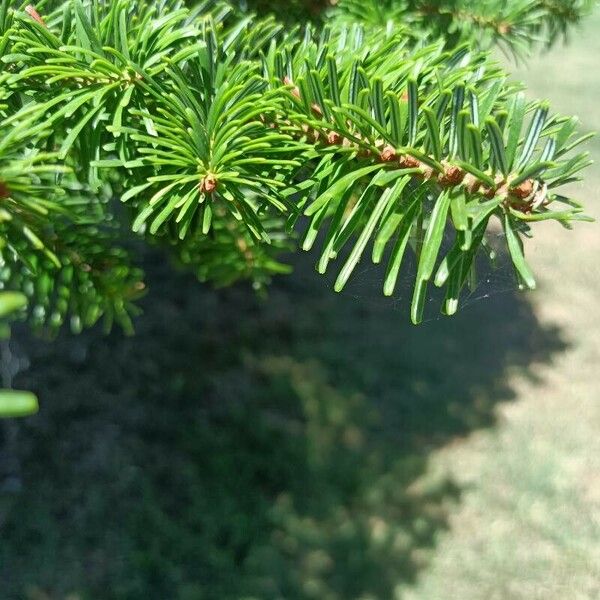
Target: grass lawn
[528,524]
[314,446]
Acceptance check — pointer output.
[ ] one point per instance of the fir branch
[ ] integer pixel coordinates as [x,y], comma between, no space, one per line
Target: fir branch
[515,25]
[214,130]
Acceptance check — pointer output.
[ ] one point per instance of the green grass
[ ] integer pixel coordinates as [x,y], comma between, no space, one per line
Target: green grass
[529,525]
[316,446]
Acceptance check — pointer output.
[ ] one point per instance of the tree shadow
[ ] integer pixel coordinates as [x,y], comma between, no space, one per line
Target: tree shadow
[239,448]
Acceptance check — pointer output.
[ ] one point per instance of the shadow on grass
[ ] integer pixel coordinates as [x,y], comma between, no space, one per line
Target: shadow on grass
[244,449]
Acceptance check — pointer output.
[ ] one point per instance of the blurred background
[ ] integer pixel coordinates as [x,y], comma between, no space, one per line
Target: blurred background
[314,445]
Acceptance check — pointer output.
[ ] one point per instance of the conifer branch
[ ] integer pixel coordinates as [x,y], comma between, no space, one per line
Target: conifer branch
[222,135]
[515,25]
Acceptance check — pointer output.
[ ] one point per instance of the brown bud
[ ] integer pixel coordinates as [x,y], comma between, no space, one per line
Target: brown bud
[504,28]
[409,162]
[523,190]
[488,192]
[208,184]
[4,191]
[388,154]
[333,138]
[451,176]
[523,207]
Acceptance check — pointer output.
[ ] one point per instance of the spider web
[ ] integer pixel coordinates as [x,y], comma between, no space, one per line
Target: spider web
[366,283]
